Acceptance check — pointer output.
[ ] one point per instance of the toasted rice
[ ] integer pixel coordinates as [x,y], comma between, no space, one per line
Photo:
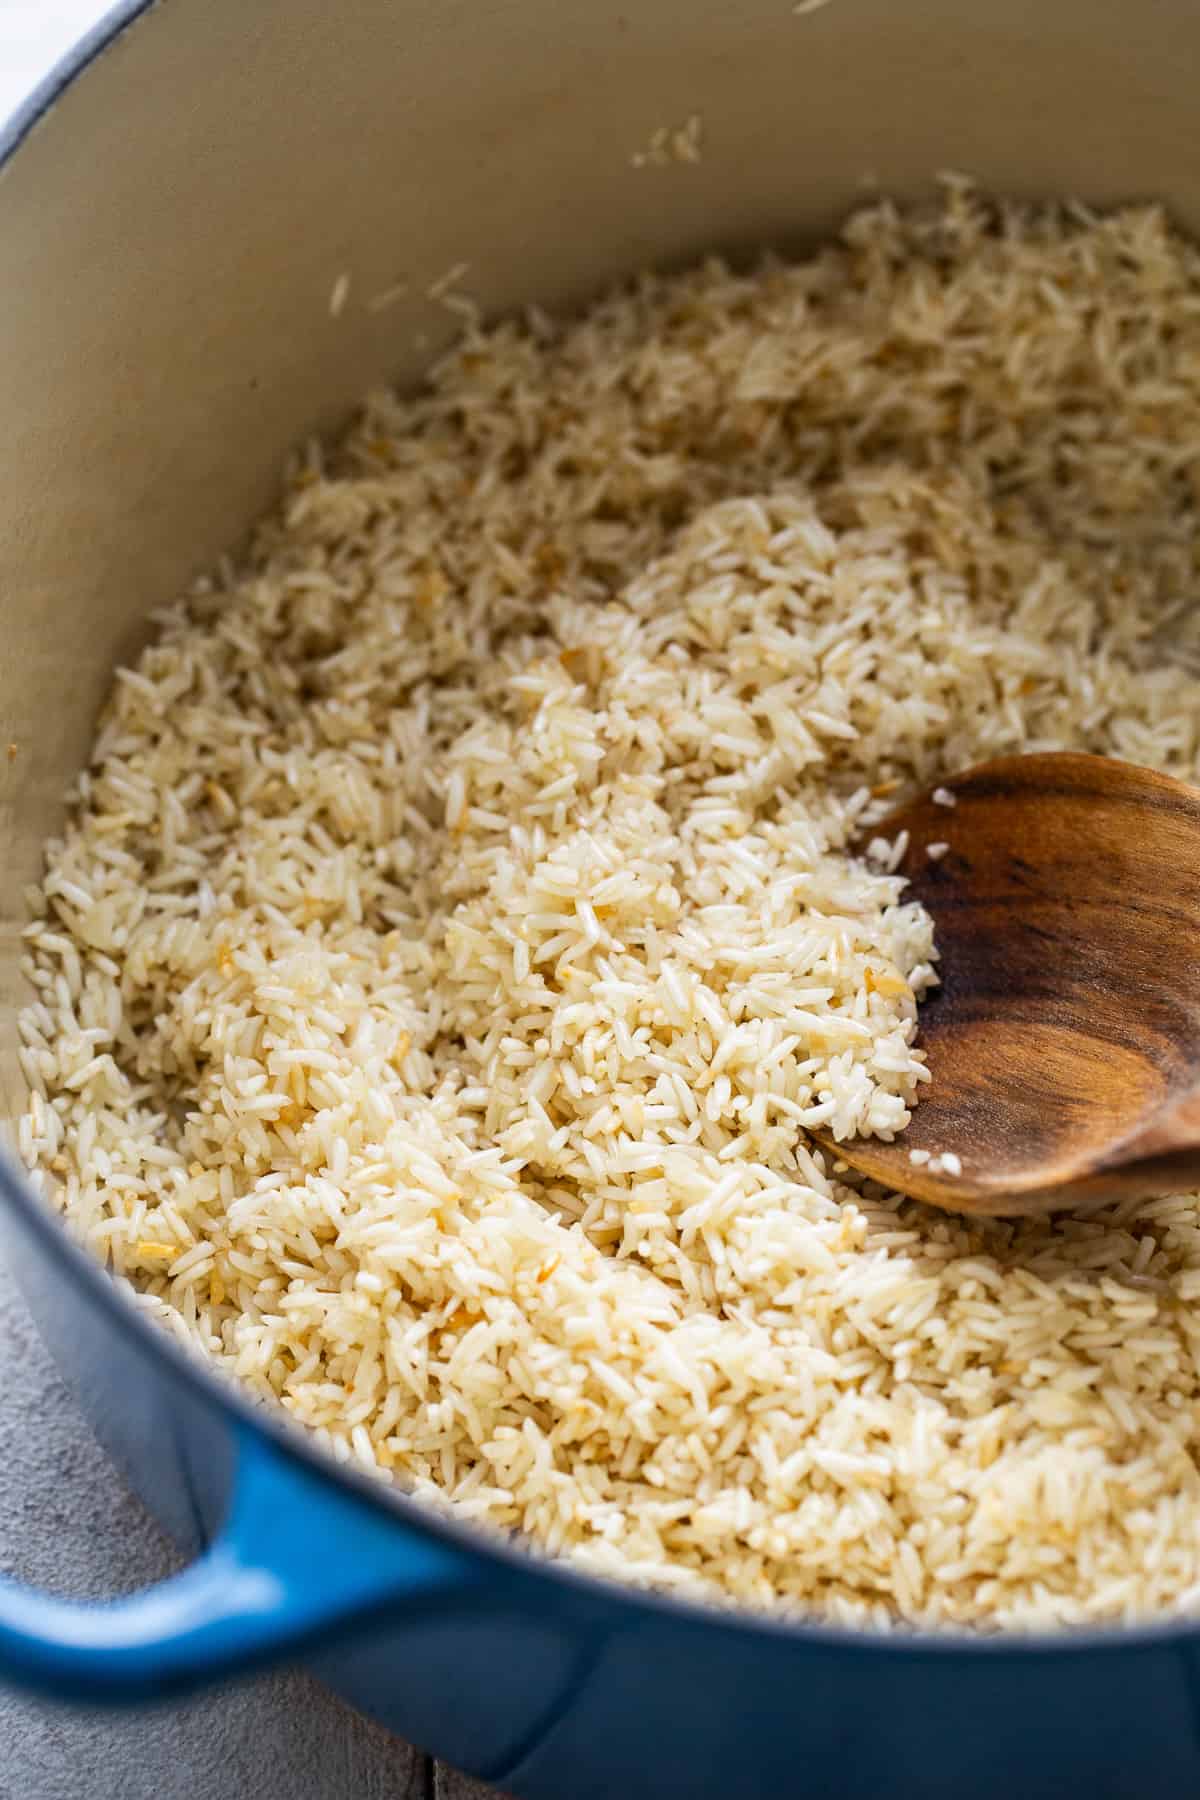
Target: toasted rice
[455,933]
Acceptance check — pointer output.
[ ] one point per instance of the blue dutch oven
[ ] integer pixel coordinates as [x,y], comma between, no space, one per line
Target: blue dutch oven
[177,205]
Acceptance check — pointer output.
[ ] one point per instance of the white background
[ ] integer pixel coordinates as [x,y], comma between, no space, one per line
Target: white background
[33,35]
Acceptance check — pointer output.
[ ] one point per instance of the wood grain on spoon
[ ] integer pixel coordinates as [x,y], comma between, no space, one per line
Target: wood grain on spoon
[1064,1041]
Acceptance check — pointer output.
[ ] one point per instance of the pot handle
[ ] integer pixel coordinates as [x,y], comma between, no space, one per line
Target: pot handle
[296,1557]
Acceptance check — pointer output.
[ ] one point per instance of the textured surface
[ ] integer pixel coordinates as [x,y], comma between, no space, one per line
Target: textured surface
[67,1523]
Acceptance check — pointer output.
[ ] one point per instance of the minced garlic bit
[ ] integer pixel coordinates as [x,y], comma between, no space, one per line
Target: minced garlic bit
[889,982]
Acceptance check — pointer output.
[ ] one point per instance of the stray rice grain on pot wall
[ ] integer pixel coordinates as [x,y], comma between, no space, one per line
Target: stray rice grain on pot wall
[455,932]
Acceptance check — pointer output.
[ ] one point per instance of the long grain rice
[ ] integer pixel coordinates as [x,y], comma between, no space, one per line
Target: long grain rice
[455,932]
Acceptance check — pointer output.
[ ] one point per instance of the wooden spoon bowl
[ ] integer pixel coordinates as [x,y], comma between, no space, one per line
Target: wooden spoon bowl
[1064,1041]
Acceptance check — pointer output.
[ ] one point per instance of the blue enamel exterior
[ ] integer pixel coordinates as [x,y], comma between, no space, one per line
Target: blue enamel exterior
[294,1557]
[516,1670]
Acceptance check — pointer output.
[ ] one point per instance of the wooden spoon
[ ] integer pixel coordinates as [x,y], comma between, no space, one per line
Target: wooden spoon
[1064,1041]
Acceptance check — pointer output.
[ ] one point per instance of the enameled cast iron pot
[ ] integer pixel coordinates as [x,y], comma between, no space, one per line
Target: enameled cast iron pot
[176,207]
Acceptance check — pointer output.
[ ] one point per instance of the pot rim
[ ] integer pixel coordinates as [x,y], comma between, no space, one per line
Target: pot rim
[519,1555]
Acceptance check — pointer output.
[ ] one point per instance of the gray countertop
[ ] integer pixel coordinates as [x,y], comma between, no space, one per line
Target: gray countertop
[67,1523]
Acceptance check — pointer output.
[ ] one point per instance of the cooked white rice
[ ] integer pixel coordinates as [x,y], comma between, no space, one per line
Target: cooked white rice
[454,932]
